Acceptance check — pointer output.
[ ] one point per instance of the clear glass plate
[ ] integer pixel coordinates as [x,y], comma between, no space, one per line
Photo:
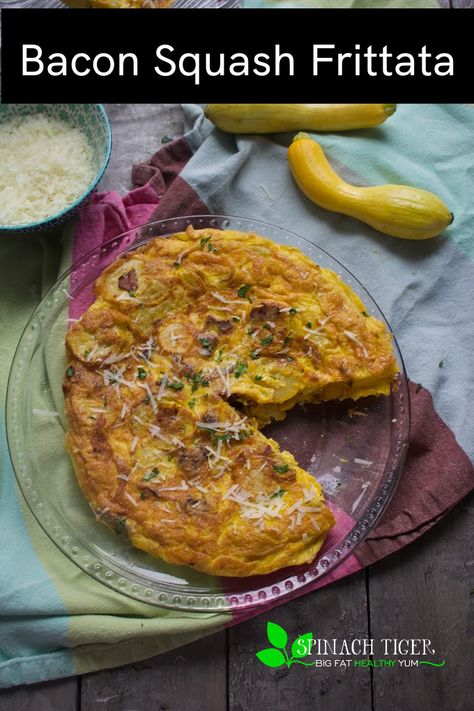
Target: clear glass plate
[355,450]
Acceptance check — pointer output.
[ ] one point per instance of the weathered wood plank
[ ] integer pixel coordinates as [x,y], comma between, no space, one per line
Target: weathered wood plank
[58,695]
[426,591]
[337,611]
[193,677]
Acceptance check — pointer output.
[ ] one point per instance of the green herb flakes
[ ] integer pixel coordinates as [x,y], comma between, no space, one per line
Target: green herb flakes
[205,342]
[141,373]
[242,290]
[199,380]
[281,468]
[120,525]
[151,475]
[240,369]
[70,372]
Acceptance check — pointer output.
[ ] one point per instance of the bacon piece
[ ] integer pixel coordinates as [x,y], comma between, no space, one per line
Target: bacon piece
[128,281]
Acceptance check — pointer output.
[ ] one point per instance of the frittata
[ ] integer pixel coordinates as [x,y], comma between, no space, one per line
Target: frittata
[193,343]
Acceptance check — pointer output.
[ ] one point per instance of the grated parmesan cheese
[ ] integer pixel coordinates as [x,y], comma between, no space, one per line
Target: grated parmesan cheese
[46,166]
[352,337]
[45,413]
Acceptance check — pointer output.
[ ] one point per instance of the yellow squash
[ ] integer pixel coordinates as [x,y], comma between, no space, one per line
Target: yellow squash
[396,210]
[118,4]
[274,118]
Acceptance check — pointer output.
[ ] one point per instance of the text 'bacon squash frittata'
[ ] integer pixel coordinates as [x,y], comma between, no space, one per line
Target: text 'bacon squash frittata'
[193,343]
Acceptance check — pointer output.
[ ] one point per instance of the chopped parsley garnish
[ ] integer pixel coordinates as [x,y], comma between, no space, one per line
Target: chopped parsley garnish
[206,343]
[280,492]
[219,356]
[223,437]
[250,331]
[254,355]
[266,341]
[120,525]
[235,318]
[309,324]
[227,436]
[293,310]
[281,468]
[204,240]
[142,495]
[198,379]
[70,371]
[176,264]
[141,373]
[176,385]
[192,402]
[240,369]
[242,290]
[267,326]
[364,313]
[287,341]
[166,139]
[152,475]
[132,294]
[258,378]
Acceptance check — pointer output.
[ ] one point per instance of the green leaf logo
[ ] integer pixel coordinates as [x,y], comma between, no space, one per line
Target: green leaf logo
[276,635]
[277,656]
[271,657]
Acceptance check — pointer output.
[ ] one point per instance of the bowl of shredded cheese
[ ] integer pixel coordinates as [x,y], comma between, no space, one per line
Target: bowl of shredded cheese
[52,158]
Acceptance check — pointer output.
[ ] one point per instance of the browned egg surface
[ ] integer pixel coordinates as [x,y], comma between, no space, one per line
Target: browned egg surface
[193,343]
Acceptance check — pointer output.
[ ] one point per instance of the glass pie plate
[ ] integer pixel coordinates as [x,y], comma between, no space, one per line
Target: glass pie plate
[356,450]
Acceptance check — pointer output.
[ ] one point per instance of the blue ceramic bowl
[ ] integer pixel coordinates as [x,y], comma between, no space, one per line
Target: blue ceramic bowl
[94,123]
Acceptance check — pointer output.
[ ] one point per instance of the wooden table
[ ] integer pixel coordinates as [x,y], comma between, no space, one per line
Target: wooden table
[425,590]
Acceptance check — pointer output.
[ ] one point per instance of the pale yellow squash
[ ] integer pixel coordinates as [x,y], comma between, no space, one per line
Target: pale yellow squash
[396,210]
